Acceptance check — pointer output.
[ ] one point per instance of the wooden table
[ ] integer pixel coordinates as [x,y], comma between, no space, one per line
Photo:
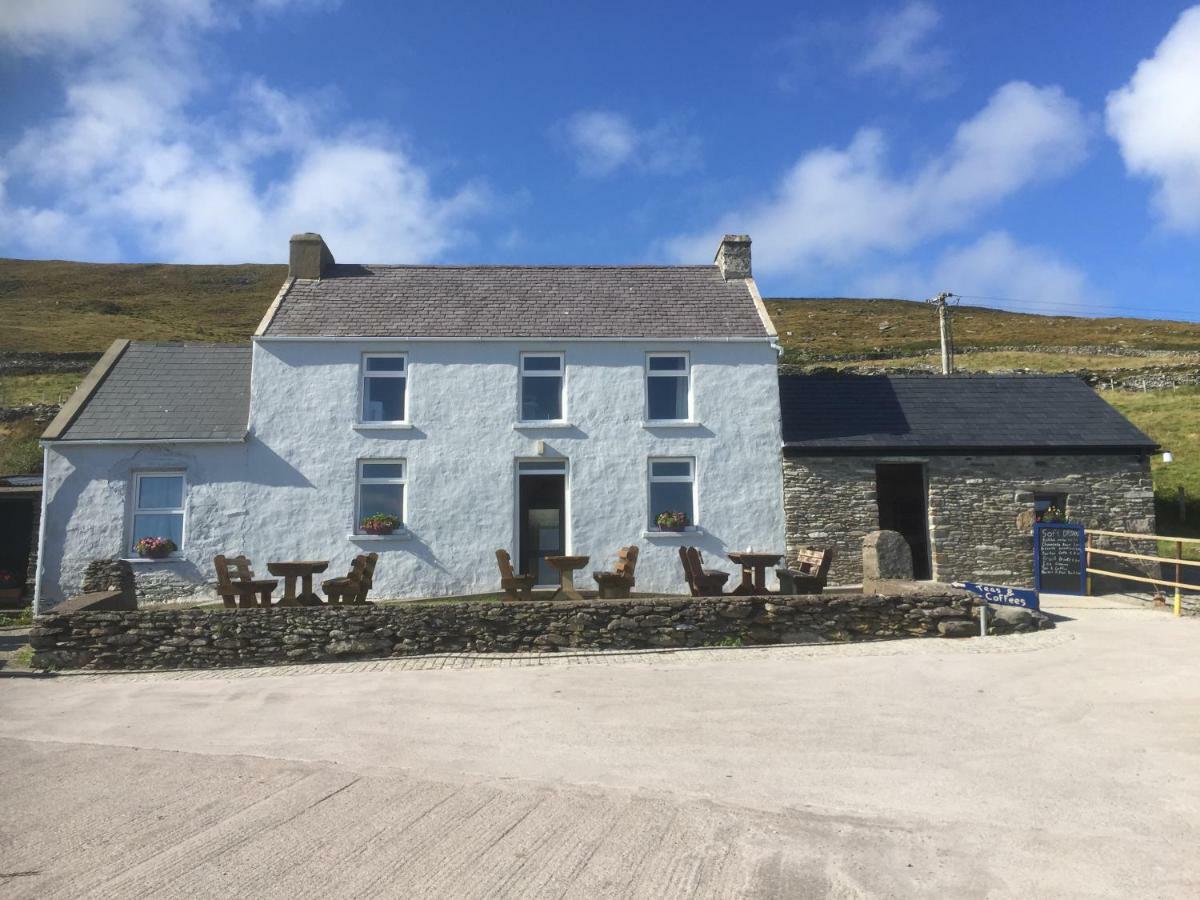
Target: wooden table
[303,569]
[754,571]
[567,566]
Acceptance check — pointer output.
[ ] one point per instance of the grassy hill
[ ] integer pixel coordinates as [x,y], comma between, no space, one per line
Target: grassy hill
[823,326]
[52,306]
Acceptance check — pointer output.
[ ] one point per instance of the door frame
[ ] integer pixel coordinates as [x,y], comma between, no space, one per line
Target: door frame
[516,506]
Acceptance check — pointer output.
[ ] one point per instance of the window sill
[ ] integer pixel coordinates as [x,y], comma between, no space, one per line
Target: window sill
[672,535]
[399,535]
[670,423]
[549,423]
[142,560]
[381,426]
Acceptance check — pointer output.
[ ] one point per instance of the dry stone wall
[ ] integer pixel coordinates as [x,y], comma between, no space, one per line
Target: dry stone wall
[207,638]
[980,507]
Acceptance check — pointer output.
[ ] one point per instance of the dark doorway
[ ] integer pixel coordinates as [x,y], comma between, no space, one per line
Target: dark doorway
[900,492]
[542,516]
[16,535]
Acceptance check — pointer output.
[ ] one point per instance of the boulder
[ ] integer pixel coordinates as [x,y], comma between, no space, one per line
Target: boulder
[886,555]
[955,628]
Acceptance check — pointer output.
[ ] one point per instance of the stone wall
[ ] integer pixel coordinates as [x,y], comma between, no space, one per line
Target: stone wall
[980,507]
[203,638]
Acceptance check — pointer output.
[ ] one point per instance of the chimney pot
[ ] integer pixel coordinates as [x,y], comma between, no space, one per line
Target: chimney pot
[309,257]
[733,256]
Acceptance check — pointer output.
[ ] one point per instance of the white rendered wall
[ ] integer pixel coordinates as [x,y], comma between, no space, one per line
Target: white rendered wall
[289,492]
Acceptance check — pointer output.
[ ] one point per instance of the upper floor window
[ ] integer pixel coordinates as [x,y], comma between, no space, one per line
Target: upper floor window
[384,387]
[542,387]
[158,507]
[668,387]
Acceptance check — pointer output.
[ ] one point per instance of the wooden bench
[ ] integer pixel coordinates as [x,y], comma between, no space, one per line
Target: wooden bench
[516,587]
[810,573]
[617,584]
[237,585]
[701,582]
[354,586]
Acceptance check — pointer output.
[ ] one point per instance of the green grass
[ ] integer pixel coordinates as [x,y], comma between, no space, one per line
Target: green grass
[825,326]
[1048,361]
[9,618]
[52,388]
[1172,418]
[19,450]
[54,306]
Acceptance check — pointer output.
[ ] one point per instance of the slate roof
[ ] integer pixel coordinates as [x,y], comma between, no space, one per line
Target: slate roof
[518,301]
[169,391]
[964,413]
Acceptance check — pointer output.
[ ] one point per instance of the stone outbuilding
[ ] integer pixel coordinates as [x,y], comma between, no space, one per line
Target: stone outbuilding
[962,466]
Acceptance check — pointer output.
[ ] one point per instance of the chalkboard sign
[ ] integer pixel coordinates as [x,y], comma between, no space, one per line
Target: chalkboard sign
[1058,559]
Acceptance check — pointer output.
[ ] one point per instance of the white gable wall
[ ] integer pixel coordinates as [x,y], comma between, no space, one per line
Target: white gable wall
[289,491]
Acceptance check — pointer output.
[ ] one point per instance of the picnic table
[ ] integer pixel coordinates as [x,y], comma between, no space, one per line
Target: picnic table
[303,569]
[754,571]
[567,566]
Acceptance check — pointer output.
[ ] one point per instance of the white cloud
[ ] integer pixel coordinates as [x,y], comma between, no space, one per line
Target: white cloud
[1155,119]
[602,142]
[130,155]
[836,205]
[897,45]
[37,26]
[994,266]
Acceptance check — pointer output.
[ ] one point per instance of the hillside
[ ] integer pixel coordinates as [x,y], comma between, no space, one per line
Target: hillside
[52,306]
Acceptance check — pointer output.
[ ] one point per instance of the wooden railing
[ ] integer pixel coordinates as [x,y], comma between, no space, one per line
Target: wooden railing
[1179,561]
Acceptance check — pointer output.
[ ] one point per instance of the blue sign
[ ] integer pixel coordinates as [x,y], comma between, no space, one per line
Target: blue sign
[1058,558]
[1002,594]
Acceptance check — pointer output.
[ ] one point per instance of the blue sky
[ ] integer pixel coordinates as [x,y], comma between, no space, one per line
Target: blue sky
[1046,154]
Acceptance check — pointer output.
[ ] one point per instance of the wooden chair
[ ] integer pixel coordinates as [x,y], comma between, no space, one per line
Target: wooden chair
[516,587]
[354,586]
[617,584]
[237,585]
[701,582]
[810,574]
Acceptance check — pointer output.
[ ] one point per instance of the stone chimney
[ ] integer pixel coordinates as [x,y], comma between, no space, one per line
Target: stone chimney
[309,257]
[733,256]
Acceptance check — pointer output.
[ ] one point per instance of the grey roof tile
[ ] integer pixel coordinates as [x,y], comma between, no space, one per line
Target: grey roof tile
[863,413]
[170,392]
[518,301]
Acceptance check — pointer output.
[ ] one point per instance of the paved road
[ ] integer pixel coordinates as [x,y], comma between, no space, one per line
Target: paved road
[1060,764]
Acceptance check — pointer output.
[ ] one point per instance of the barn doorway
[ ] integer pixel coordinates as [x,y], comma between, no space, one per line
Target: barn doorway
[901,493]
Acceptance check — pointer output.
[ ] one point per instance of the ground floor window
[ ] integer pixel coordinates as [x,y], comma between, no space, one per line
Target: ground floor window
[381,488]
[672,491]
[1050,507]
[158,507]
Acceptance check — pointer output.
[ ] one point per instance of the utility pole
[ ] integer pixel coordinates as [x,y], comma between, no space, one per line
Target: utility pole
[942,301]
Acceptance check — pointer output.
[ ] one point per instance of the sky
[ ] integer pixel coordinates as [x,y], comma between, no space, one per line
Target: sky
[1037,156]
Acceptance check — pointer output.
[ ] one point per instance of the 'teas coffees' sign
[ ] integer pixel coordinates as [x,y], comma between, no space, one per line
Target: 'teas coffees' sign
[1058,558]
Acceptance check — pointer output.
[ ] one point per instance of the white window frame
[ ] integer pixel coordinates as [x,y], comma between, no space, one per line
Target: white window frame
[562,387]
[360,480]
[686,373]
[363,375]
[651,479]
[181,511]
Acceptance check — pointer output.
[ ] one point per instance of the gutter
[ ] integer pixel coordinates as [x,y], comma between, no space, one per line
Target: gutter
[104,442]
[87,388]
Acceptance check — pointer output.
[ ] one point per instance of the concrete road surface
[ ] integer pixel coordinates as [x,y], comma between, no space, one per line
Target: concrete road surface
[1060,764]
